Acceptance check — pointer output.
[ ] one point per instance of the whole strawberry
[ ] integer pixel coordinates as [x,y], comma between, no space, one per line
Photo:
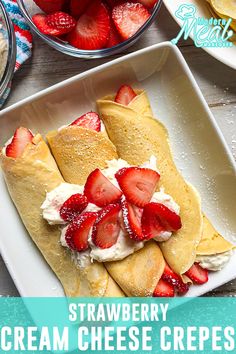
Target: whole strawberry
[61,21]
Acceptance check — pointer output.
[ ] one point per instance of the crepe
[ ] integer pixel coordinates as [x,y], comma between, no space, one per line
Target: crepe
[212,242]
[209,241]
[137,137]
[215,13]
[78,151]
[28,178]
[224,7]
[139,273]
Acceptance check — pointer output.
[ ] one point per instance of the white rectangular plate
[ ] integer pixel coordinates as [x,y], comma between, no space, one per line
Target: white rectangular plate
[199,150]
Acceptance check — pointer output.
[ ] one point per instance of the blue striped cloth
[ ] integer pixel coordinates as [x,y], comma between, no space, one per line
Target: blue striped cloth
[23,39]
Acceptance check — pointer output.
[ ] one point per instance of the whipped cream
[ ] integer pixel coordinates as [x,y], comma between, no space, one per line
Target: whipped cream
[81,259]
[214,262]
[91,207]
[165,199]
[124,245]
[51,212]
[120,250]
[55,199]
[152,164]
[113,167]
[102,127]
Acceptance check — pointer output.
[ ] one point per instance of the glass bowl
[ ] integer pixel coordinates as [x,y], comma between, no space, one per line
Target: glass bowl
[28,9]
[7,61]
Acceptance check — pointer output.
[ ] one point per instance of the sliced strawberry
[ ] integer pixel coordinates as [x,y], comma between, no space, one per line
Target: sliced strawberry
[50,6]
[157,218]
[125,95]
[163,289]
[92,28]
[129,17]
[106,228]
[73,206]
[175,280]
[197,274]
[149,4]
[78,231]
[89,120]
[40,21]
[61,21]
[99,190]
[114,37]
[132,220]
[21,138]
[78,7]
[138,184]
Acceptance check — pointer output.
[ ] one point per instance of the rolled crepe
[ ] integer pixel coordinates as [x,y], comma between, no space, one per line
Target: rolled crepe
[138,136]
[28,179]
[212,242]
[78,151]
[215,13]
[139,273]
[224,8]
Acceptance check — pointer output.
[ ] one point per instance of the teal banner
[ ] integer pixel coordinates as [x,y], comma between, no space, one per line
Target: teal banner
[129,325]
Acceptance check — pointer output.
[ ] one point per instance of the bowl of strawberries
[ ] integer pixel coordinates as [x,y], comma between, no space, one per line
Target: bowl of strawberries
[90,28]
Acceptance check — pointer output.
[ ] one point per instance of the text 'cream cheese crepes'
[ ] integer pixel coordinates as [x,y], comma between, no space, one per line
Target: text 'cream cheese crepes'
[29,176]
[88,150]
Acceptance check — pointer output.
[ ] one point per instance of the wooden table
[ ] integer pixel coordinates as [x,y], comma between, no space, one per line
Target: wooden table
[217,82]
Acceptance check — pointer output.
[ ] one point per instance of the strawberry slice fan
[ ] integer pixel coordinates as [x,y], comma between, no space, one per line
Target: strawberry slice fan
[23,39]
